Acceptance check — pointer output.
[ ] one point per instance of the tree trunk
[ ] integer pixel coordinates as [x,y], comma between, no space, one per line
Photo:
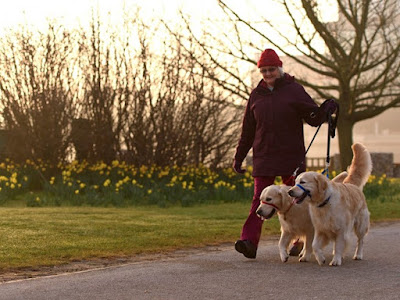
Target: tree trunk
[345,129]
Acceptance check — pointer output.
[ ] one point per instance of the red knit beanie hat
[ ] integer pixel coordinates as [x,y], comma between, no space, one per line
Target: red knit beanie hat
[269,58]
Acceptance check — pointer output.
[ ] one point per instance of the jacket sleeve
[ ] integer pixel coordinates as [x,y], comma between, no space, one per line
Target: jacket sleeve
[247,134]
[311,113]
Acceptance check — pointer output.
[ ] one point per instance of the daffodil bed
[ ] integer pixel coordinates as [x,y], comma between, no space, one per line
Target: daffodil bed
[119,184]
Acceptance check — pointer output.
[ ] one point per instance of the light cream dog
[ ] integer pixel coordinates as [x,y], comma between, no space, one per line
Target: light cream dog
[337,208]
[294,219]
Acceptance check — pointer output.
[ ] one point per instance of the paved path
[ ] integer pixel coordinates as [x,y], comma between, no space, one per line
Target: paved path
[225,274]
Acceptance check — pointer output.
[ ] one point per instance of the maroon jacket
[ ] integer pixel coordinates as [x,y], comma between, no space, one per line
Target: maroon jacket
[273,126]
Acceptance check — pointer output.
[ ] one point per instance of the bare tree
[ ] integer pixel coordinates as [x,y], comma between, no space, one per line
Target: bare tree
[178,116]
[98,63]
[37,92]
[358,63]
[148,101]
[114,92]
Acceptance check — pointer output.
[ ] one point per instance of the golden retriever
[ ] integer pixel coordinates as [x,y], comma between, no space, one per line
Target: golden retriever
[337,208]
[294,219]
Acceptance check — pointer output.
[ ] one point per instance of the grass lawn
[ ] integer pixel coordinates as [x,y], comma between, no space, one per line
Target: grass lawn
[49,236]
[33,237]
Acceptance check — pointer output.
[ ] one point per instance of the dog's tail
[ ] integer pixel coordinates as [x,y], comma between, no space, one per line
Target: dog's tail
[361,166]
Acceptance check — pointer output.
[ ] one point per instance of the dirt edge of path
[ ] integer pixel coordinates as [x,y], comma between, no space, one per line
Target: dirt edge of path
[14,274]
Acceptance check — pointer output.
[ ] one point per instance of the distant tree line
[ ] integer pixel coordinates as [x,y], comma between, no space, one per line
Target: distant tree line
[108,93]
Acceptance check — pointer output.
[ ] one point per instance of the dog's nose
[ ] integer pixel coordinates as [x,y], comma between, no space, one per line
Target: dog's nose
[258,211]
[291,193]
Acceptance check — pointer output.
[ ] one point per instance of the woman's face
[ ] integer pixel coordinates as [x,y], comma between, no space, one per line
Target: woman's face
[270,74]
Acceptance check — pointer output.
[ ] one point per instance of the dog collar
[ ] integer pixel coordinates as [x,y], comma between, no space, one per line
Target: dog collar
[307,192]
[277,208]
[325,202]
[270,204]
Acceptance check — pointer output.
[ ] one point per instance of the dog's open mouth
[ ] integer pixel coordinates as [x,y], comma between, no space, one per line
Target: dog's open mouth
[300,199]
[269,216]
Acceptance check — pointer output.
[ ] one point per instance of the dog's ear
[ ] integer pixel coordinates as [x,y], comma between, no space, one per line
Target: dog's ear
[262,195]
[322,183]
[282,194]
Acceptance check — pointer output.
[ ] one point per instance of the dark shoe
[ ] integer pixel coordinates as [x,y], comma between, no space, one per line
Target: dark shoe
[246,248]
[296,248]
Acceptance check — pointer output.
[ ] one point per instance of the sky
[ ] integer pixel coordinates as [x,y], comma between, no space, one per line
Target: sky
[75,13]
[71,12]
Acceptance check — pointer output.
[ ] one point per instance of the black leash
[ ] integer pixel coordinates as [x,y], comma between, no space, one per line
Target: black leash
[331,133]
[327,161]
[332,122]
[305,153]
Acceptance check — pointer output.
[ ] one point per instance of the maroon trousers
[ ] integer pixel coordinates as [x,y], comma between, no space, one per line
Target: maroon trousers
[252,227]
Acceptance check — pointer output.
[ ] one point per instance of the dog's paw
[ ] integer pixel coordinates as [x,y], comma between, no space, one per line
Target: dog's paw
[303,259]
[320,259]
[357,257]
[284,258]
[336,262]
[321,262]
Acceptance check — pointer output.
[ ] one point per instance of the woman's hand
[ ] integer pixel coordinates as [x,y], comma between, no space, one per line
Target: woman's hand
[237,166]
[330,106]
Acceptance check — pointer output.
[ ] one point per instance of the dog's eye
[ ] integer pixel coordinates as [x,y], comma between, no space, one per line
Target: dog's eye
[268,199]
[302,182]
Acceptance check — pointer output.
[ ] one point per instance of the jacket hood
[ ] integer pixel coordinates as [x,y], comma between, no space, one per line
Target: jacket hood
[288,77]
